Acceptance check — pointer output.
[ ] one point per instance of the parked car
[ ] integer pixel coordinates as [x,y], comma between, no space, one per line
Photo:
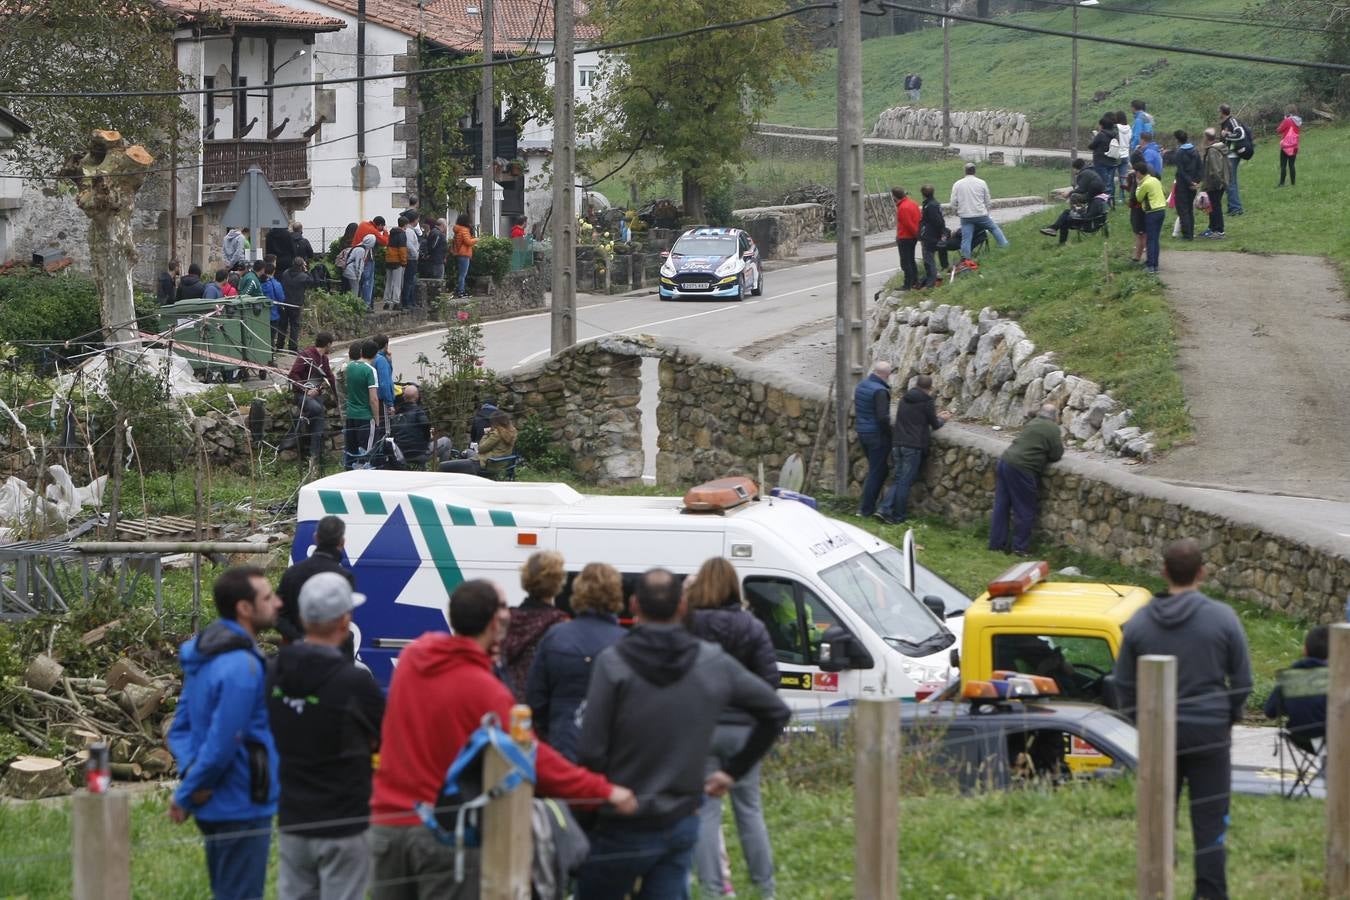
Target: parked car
[712,263]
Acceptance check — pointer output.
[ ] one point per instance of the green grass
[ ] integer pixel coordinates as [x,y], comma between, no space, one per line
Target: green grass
[995,68]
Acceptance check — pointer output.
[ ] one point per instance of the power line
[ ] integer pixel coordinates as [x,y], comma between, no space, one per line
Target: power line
[1190,17]
[1126,42]
[459,67]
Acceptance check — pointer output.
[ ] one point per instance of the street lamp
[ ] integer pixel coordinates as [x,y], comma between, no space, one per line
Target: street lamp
[1073,92]
[301,52]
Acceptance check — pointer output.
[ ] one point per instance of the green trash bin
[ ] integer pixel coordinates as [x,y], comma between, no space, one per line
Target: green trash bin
[240,330]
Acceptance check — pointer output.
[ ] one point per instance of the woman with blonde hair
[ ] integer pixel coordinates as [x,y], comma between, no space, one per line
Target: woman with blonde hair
[558,679]
[717,613]
[542,578]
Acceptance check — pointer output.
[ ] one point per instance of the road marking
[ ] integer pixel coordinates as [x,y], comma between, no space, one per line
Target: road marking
[510,320]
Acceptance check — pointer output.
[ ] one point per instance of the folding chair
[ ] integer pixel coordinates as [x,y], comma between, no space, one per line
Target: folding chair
[508,470]
[1304,742]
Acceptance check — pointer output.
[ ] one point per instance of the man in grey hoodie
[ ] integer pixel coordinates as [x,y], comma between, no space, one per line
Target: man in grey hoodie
[1214,677]
[654,700]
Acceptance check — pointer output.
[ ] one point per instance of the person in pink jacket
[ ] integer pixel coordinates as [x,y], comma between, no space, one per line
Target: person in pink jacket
[1289,131]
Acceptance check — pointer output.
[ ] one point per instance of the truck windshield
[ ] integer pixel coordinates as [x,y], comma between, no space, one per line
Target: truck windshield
[884,603]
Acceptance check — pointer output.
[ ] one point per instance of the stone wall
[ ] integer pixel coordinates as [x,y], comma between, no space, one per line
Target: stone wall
[518,291]
[780,230]
[985,368]
[997,127]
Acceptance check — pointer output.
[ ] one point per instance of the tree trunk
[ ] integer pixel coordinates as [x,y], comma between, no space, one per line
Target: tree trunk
[35,777]
[107,176]
[693,199]
[43,672]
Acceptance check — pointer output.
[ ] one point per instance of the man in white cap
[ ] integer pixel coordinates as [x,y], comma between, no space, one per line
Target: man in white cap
[325,714]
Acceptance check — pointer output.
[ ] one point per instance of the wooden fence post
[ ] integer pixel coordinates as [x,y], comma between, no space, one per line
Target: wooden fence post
[876,799]
[508,842]
[1338,758]
[101,846]
[1156,787]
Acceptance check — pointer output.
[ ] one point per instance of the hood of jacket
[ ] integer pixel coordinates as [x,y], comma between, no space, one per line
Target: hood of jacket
[368,242]
[302,669]
[189,281]
[660,654]
[437,653]
[1297,120]
[1174,610]
[914,395]
[221,636]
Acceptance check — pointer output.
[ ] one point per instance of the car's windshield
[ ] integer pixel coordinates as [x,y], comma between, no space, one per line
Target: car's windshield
[705,246]
[884,603]
[1114,729]
[926,581]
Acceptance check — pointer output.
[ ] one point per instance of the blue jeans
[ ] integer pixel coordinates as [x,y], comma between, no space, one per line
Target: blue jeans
[878,450]
[620,855]
[236,857]
[1108,176]
[1123,175]
[1234,201]
[906,462]
[462,262]
[1015,492]
[1153,224]
[368,284]
[968,225]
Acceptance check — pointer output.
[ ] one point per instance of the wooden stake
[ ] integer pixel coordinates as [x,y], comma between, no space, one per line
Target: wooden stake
[1338,761]
[876,799]
[1156,787]
[102,846]
[508,844]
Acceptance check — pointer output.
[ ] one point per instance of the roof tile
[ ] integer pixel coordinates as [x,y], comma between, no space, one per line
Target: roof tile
[252,12]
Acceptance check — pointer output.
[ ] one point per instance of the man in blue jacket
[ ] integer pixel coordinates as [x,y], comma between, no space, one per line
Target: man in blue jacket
[872,421]
[221,740]
[384,371]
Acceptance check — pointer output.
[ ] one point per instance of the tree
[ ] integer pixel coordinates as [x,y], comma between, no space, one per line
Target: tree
[88,45]
[693,101]
[1333,16]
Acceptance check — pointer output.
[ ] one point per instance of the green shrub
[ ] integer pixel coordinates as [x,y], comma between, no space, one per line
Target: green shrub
[341,313]
[491,258]
[37,308]
[536,444]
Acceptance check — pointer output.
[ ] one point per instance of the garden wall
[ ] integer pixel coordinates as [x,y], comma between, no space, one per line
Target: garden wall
[996,127]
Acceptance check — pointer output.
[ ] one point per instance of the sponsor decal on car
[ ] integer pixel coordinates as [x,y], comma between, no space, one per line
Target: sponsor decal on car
[827,681]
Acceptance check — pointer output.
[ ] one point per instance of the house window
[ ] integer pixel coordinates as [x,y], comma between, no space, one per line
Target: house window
[588,77]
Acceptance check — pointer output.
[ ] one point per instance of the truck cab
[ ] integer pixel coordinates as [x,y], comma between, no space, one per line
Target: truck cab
[1068,631]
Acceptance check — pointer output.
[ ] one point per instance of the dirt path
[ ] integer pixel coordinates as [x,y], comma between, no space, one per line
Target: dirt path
[1264,345]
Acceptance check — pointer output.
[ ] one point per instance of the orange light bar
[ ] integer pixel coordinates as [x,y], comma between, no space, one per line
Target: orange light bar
[979,690]
[1019,579]
[527,539]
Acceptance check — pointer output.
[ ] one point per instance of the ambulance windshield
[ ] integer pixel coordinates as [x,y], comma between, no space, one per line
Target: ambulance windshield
[885,604]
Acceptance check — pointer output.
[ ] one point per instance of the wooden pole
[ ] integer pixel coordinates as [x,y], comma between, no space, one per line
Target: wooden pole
[1156,787]
[1338,764]
[508,844]
[101,846]
[876,799]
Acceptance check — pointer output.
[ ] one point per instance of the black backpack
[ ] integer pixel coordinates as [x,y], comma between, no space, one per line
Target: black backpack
[1247,148]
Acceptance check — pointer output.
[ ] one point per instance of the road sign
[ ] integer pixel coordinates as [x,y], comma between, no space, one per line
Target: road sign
[255,207]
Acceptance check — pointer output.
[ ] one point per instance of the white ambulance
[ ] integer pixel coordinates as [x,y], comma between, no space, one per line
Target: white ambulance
[843,624]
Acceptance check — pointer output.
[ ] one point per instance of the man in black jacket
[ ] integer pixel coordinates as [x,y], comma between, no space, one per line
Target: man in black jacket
[1214,677]
[295,282]
[654,700]
[1190,173]
[916,418]
[166,287]
[191,286]
[325,715]
[932,236]
[280,244]
[303,248]
[329,538]
[1087,184]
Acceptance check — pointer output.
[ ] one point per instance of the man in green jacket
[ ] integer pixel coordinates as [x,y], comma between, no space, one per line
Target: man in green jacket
[1017,478]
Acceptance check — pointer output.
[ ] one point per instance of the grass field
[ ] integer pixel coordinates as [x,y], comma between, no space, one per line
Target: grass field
[994,68]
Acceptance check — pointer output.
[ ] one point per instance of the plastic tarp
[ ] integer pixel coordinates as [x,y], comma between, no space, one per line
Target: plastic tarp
[22,510]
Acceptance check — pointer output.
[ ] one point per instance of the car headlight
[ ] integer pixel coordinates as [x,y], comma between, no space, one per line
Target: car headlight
[730,267]
[668,268]
[919,673]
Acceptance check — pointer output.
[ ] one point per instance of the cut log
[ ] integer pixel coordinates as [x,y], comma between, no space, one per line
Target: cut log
[165,725]
[157,762]
[124,672]
[121,750]
[35,777]
[43,672]
[77,738]
[141,701]
[126,771]
[94,635]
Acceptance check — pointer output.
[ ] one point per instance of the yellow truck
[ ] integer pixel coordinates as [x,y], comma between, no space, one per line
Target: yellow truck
[1069,631]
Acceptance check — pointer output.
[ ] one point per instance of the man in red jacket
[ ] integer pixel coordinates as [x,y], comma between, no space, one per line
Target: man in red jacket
[442,688]
[906,235]
[376,227]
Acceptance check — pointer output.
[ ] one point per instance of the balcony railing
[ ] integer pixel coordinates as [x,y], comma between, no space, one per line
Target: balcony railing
[283,163]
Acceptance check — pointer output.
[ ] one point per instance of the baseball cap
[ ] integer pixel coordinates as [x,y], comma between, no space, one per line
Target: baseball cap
[325,597]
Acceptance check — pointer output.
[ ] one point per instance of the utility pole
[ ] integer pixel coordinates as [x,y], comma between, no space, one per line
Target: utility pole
[850,253]
[563,332]
[1073,81]
[946,75]
[487,105]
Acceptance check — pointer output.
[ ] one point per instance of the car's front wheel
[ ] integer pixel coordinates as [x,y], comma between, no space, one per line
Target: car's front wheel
[740,288]
[758,289]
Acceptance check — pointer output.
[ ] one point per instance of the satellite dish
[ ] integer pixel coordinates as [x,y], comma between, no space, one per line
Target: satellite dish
[793,474]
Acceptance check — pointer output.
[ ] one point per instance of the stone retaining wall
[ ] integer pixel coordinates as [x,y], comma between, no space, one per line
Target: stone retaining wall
[780,230]
[997,127]
[984,367]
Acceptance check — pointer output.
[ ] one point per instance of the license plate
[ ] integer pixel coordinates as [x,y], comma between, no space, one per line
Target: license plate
[697,285]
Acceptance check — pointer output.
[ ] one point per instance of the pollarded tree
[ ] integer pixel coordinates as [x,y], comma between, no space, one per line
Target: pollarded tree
[695,100]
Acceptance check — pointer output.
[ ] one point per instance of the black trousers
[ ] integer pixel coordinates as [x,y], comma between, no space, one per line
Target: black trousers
[1204,765]
[1216,210]
[1186,209]
[1287,160]
[311,428]
[290,328]
[907,263]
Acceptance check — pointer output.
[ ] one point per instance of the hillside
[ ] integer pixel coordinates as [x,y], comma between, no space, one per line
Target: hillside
[998,68]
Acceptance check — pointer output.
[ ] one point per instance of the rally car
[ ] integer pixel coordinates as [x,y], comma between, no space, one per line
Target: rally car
[712,263]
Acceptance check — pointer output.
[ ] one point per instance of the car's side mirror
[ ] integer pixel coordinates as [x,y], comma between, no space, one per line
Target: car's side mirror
[937,605]
[665,254]
[1110,692]
[954,658]
[840,650]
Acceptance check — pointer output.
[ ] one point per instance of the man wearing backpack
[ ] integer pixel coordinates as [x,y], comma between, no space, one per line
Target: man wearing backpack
[1240,147]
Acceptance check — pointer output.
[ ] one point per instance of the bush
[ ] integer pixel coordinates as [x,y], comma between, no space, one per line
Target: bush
[37,308]
[491,258]
[342,314]
[535,443]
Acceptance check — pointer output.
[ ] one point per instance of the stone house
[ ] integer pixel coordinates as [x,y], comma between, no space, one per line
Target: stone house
[11,188]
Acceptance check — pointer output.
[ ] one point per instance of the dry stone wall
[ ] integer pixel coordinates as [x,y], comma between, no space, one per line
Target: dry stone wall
[984,367]
[996,127]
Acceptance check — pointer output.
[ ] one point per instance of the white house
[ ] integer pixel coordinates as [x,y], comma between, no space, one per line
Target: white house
[11,189]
